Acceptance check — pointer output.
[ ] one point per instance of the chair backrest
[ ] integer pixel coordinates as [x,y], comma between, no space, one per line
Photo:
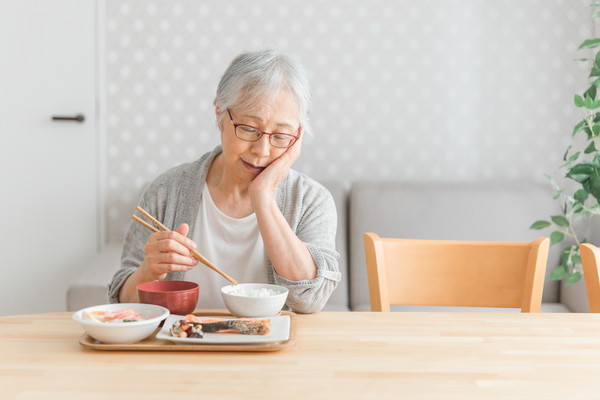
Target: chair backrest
[590,256]
[490,211]
[455,273]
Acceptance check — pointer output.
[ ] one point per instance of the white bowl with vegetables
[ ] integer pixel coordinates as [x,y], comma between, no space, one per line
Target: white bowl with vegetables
[254,300]
[121,323]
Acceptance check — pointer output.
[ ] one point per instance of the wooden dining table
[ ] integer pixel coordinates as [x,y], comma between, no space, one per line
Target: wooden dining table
[334,355]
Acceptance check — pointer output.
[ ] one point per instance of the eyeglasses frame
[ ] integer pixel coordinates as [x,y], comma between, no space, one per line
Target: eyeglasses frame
[261,133]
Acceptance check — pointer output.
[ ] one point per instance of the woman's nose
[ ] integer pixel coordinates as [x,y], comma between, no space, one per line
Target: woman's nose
[262,147]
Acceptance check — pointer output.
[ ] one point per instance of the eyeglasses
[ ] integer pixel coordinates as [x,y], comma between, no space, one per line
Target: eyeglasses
[252,134]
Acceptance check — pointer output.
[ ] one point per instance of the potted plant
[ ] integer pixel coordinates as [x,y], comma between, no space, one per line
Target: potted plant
[581,168]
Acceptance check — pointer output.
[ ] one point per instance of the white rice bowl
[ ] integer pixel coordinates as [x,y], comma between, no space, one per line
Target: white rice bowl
[254,300]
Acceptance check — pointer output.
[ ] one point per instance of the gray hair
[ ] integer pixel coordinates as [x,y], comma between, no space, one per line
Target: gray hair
[255,77]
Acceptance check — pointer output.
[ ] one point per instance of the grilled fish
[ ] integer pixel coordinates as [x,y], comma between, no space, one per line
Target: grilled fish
[194,328]
[243,326]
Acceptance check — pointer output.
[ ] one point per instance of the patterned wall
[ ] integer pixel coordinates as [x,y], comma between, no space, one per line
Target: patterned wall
[413,90]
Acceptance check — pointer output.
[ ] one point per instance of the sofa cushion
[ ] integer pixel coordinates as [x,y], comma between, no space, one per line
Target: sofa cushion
[339,300]
[499,211]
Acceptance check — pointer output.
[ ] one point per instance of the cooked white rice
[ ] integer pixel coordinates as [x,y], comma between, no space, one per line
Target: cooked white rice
[262,292]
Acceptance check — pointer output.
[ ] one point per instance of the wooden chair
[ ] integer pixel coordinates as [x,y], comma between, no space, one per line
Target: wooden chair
[590,255]
[455,273]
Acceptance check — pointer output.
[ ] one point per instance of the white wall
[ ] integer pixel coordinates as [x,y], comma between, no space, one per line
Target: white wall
[47,168]
[412,90]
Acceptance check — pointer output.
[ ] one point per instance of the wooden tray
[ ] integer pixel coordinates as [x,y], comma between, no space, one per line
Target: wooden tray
[154,344]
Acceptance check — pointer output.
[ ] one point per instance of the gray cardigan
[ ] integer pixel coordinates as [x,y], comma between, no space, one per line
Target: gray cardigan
[174,198]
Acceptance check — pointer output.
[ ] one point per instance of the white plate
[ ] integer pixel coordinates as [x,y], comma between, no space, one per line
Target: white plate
[280,332]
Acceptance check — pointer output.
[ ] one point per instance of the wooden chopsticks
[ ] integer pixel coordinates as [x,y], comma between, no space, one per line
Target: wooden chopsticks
[161,227]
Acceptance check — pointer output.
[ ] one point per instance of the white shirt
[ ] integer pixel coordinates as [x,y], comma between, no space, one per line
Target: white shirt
[234,245]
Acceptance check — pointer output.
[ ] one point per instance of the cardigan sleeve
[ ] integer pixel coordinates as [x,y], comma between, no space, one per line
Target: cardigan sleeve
[131,257]
[312,210]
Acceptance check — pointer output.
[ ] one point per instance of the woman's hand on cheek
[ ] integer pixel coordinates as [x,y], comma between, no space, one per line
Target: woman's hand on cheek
[265,183]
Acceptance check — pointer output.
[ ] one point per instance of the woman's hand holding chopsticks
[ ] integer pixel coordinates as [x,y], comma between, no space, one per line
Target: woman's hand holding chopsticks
[165,251]
[168,251]
[183,229]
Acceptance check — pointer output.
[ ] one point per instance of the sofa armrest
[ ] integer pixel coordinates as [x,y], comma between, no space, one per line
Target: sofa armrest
[90,288]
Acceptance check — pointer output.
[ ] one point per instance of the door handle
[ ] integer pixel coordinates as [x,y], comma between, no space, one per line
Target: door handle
[76,118]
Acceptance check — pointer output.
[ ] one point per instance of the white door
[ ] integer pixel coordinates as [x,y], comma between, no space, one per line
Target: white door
[48,195]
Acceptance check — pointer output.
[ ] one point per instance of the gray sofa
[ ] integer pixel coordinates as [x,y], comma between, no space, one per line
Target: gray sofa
[496,211]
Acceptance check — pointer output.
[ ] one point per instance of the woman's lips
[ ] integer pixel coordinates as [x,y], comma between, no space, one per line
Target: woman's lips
[252,168]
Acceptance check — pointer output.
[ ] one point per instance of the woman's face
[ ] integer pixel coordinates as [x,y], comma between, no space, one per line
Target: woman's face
[247,159]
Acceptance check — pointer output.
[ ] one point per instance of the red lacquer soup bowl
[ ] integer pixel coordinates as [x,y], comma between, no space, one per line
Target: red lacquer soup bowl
[179,297]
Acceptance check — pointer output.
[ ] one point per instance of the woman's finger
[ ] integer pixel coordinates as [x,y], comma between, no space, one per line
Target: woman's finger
[162,237]
[183,229]
[174,235]
[162,269]
[167,246]
[171,258]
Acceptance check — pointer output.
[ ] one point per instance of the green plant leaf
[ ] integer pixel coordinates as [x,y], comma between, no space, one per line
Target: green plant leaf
[556,237]
[580,172]
[590,149]
[579,126]
[577,208]
[578,101]
[588,132]
[558,194]
[591,92]
[594,183]
[589,44]
[541,224]
[573,158]
[559,273]
[596,14]
[581,195]
[594,72]
[560,220]
[588,102]
[576,259]
[573,278]
[587,186]
[566,153]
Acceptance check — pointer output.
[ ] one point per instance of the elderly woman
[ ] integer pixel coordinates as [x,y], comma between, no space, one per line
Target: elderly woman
[241,204]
